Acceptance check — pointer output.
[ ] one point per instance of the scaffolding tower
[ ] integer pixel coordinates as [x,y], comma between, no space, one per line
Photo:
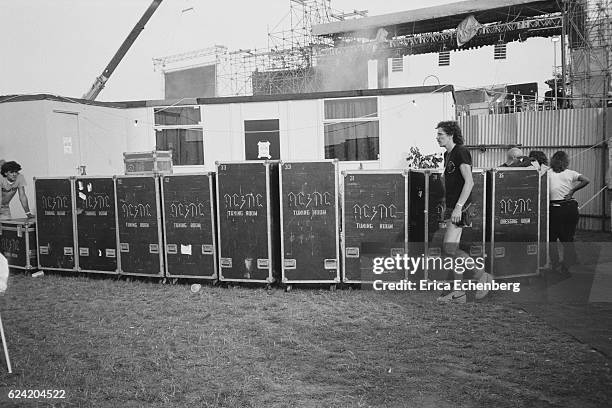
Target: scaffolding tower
[287,65]
[590,45]
[292,50]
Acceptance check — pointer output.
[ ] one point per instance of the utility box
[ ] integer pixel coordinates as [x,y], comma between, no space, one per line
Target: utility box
[427,224]
[374,224]
[55,227]
[96,224]
[309,222]
[18,243]
[139,226]
[189,226]
[247,216]
[515,222]
[147,163]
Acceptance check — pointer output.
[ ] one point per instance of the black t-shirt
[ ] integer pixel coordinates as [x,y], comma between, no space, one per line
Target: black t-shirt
[453,180]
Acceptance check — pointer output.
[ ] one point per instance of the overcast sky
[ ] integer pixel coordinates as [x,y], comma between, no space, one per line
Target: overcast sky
[60,46]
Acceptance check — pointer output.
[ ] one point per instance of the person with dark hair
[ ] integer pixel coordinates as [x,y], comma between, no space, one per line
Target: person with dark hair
[458,184]
[452,128]
[563,183]
[11,182]
[539,161]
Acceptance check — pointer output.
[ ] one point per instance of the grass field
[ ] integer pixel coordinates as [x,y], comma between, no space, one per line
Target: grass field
[114,343]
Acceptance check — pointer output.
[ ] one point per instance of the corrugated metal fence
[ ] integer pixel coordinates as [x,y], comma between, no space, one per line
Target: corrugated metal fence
[577,131]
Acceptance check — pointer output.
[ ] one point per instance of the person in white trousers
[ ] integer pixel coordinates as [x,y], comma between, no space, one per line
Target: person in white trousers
[4,274]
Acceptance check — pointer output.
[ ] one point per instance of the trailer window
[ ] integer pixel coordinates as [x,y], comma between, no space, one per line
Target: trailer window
[186,145]
[351,129]
[179,129]
[181,116]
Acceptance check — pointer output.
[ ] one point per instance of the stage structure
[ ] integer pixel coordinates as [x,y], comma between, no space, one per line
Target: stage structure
[287,65]
[304,48]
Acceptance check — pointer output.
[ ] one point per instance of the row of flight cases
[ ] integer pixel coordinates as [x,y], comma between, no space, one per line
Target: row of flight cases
[267,221]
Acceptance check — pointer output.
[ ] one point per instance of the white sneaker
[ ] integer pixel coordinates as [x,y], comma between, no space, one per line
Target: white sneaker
[484,278]
[456,296]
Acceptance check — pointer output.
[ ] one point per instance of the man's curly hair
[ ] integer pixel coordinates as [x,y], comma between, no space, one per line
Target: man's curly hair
[559,161]
[451,127]
[540,156]
[9,166]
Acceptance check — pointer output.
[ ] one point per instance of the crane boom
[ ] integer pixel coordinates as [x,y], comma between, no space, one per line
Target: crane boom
[100,81]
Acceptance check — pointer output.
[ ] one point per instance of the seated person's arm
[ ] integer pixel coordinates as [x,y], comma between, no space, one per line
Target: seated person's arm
[24,202]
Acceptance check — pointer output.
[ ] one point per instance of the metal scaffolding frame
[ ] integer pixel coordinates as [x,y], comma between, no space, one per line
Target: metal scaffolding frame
[293,49]
[203,56]
[287,65]
[447,39]
[590,45]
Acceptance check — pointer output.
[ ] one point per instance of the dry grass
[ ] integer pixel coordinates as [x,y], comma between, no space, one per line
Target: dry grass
[135,344]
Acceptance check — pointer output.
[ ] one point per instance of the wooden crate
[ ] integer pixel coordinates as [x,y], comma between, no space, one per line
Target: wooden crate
[146,163]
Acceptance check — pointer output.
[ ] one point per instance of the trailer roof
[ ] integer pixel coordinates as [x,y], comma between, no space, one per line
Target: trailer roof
[233,99]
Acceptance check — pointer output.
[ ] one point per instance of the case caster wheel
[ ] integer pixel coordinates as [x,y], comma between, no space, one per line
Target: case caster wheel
[288,288]
[268,287]
[174,281]
[332,287]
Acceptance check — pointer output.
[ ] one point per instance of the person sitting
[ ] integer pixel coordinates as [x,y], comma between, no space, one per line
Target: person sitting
[515,158]
[12,182]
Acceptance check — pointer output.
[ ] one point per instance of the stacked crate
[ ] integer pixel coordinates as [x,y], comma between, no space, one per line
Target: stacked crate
[309,222]
[189,226]
[18,243]
[248,221]
[374,223]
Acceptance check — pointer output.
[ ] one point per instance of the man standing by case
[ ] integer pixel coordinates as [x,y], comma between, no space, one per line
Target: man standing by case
[12,182]
[458,184]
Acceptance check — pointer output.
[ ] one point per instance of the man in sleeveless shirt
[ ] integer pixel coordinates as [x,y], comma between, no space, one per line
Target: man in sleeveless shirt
[12,182]
[458,183]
